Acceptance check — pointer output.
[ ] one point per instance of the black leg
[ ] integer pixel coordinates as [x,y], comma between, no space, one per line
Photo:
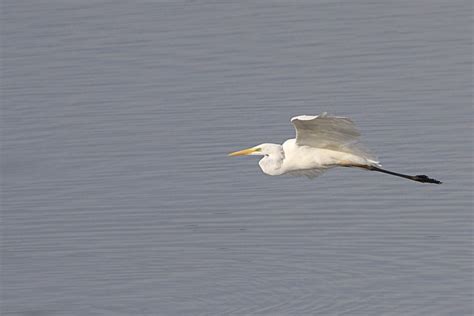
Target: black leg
[419,178]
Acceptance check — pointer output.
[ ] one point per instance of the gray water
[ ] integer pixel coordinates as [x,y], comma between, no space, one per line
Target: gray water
[118,197]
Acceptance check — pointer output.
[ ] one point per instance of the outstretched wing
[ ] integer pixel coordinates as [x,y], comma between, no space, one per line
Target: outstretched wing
[309,173]
[324,131]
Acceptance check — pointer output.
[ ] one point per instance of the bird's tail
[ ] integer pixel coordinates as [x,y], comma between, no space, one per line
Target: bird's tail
[360,150]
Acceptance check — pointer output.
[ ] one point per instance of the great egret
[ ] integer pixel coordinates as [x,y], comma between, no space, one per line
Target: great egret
[322,142]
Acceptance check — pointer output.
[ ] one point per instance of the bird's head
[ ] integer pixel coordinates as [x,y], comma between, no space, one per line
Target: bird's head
[260,150]
[272,160]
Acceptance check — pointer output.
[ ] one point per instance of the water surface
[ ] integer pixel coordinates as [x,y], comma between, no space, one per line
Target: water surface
[118,197]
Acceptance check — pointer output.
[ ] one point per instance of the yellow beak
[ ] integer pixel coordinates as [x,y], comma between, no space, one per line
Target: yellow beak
[244,152]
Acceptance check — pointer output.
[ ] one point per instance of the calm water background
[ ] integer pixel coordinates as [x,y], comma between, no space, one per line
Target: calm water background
[118,197]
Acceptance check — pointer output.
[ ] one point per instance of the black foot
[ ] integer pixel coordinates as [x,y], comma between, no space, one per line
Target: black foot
[425,179]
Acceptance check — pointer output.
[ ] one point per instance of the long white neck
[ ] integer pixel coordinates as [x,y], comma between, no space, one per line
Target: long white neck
[272,162]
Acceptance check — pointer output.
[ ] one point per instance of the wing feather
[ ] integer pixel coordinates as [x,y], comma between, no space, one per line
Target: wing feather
[324,131]
[330,132]
[309,173]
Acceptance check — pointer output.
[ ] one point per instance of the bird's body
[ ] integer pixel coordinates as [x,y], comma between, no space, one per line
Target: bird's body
[292,158]
[322,142]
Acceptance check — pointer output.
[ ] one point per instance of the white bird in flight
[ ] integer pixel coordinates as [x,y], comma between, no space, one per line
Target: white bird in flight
[322,142]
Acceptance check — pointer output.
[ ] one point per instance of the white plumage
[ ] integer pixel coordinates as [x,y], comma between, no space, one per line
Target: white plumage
[322,142]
